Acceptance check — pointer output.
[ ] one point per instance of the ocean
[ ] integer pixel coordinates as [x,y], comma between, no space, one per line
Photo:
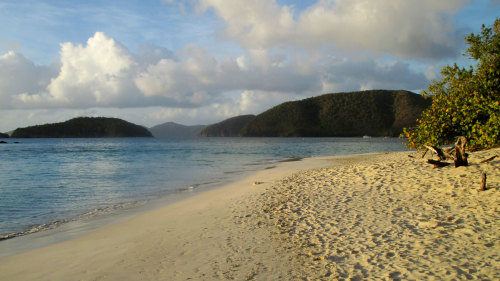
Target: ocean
[48,182]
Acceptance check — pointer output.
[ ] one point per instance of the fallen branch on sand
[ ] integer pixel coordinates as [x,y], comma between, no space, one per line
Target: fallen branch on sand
[488,159]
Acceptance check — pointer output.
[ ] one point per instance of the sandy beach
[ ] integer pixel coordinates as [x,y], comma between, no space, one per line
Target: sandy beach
[381,216]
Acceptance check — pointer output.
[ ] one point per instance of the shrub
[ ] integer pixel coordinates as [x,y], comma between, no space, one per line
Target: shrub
[466,102]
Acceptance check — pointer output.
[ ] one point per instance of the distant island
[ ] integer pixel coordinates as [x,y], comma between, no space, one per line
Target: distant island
[3,136]
[174,130]
[377,113]
[84,127]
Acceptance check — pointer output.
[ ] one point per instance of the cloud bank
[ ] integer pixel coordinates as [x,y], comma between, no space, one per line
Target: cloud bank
[104,73]
[419,29]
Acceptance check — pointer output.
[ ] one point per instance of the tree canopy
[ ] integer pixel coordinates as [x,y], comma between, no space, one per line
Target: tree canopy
[466,102]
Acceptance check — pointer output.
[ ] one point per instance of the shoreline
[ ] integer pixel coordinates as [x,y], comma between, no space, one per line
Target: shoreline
[75,227]
[101,191]
[56,231]
[356,216]
[264,175]
[50,232]
[65,228]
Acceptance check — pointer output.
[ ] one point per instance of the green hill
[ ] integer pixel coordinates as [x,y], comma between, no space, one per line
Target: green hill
[374,113]
[228,128]
[84,127]
[2,135]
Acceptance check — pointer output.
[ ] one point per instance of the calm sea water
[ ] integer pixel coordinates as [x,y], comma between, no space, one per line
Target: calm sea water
[52,180]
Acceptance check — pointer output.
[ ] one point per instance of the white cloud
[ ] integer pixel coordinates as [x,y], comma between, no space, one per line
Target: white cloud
[198,78]
[98,74]
[406,29]
[184,82]
[254,23]
[95,74]
[18,75]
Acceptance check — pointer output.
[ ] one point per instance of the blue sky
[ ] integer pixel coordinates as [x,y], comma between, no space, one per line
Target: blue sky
[201,61]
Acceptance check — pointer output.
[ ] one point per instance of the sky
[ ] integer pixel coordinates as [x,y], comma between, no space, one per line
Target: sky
[202,61]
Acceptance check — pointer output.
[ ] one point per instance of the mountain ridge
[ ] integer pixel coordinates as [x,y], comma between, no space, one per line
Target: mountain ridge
[172,129]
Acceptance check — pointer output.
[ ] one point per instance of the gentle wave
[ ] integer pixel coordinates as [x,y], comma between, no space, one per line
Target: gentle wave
[87,215]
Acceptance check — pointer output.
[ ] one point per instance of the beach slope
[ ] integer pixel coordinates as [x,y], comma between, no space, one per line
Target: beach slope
[389,217]
[378,216]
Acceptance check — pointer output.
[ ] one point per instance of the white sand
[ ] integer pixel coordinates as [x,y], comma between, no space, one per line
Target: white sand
[383,216]
[389,218]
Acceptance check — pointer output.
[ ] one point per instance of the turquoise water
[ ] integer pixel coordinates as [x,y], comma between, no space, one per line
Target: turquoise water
[52,180]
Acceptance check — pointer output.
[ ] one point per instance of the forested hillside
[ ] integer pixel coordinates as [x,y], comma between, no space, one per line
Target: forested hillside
[374,113]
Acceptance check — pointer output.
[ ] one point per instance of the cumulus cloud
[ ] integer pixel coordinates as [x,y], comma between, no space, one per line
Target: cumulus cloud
[95,74]
[98,74]
[406,29]
[104,73]
[101,73]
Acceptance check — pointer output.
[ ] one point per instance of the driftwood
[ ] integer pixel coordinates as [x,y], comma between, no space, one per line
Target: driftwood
[489,159]
[483,181]
[438,151]
[443,154]
[437,163]
[460,154]
[456,153]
